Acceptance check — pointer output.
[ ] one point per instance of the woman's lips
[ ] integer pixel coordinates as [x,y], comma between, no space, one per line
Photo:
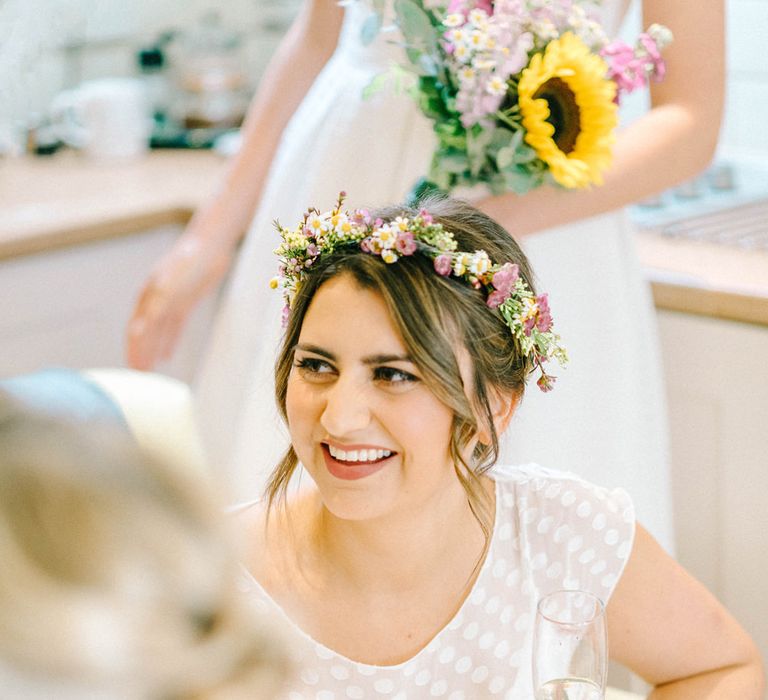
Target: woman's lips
[350,471]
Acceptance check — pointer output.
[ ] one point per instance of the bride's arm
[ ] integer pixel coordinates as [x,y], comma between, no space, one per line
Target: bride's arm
[673,142]
[665,626]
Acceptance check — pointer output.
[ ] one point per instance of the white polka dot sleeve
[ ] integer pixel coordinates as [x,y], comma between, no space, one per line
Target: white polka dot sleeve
[572,534]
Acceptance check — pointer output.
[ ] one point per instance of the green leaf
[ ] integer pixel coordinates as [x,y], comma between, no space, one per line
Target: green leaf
[455,163]
[377,84]
[478,140]
[442,179]
[395,80]
[505,157]
[520,181]
[525,154]
[421,37]
[371,28]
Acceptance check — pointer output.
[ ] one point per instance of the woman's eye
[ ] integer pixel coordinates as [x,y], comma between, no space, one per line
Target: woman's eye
[313,366]
[393,376]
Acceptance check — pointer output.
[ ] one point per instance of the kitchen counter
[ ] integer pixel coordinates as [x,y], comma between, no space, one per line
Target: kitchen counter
[60,201]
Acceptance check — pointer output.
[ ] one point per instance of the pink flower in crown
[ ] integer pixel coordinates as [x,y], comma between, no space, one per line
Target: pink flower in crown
[443,265]
[285,315]
[362,217]
[365,245]
[496,299]
[505,278]
[545,382]
[405,243]
[426,217]
[544,316]
[312,250]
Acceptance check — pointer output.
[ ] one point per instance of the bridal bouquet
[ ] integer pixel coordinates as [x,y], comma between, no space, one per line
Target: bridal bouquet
[521,92]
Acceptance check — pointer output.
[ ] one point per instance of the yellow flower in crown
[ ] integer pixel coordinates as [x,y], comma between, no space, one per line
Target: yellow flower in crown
[568,111]
[401,223]
[341,224]
[317,223]
[461,263]
[480,263]
[385,237]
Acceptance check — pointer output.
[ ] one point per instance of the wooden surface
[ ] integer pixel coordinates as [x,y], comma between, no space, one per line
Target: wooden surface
[54,202]
[60,201]
[706,279]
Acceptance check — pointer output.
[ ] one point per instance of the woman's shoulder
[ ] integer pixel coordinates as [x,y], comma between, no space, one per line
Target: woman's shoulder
[554,484]
[582,533]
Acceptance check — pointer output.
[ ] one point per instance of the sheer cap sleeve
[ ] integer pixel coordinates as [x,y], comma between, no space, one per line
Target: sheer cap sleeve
[572,534]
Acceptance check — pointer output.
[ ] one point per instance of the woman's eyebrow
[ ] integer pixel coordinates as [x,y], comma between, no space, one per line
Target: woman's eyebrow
[378,359]
[384,358]
[315,350]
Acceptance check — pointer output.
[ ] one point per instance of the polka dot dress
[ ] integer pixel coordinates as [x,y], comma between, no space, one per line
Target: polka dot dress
[552,531]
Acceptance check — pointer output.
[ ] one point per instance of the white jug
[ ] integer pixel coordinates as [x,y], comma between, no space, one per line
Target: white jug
[108,118]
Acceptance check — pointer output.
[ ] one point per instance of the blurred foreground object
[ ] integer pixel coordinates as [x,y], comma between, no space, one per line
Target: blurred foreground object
[118,577]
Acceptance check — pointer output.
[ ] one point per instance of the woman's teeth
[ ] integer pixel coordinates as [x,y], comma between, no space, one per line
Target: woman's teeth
[358,455]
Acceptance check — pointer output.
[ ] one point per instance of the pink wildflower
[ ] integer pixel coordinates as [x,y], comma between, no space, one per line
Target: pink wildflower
[405,243]
[624,67]
[361,216]
[312,250]
[496,298]
[529,324]
[466,6]
[443,265]
[365,245]
[285,315]
[426,217]
[545,382]
[543,316]
[657,67]
[505,278]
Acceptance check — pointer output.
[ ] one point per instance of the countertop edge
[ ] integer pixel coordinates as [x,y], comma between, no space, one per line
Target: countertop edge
[712,303]
[97,231]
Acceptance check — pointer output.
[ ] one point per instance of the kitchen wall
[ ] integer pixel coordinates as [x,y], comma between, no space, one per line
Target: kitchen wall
[46,45]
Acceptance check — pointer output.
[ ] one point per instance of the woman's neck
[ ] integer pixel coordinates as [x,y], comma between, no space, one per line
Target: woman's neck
[403,549]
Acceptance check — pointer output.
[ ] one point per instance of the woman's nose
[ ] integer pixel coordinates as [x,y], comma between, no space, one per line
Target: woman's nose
[346,408]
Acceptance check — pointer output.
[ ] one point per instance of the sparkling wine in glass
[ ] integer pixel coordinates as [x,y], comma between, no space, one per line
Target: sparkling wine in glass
[569,647]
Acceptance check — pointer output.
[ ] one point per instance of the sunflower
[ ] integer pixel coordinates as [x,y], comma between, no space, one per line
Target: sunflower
[568,110]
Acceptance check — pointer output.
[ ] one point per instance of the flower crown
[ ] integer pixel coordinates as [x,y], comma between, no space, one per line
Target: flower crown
[320,234]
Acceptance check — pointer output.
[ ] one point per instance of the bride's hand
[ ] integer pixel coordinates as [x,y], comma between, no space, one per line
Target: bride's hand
[191,269]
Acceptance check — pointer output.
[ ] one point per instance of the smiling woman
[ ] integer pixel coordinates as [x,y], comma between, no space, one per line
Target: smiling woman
[412,564]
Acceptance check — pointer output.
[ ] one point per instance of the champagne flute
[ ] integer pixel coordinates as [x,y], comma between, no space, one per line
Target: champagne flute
[569,647]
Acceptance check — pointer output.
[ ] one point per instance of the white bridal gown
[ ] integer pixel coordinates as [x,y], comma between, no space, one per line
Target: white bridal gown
[605,420]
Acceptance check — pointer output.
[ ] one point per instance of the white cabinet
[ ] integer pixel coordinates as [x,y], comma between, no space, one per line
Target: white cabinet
[717,378]
[69,307]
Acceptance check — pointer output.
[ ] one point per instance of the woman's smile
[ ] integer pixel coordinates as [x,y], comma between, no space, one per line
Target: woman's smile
[355,462]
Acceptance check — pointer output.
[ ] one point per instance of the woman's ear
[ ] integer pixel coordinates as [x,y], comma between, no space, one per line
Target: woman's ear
[503,407]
